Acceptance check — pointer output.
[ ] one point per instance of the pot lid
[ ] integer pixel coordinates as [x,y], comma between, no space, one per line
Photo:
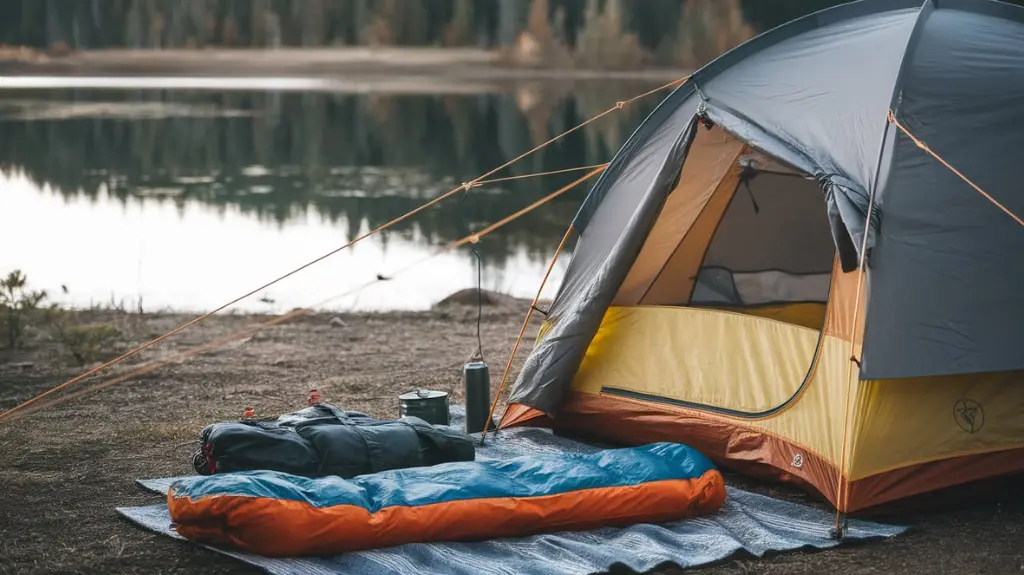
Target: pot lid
[422,394]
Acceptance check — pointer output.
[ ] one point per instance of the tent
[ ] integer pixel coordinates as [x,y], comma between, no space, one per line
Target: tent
[774,272]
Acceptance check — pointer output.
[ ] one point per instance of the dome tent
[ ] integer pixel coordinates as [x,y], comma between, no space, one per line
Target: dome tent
[716,291]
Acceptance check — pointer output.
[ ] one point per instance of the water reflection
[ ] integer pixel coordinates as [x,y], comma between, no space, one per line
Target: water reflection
[188,198]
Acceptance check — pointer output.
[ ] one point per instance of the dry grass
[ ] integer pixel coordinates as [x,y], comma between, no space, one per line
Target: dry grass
[65,469]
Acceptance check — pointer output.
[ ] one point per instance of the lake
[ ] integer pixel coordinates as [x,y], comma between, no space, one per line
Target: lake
[185,198]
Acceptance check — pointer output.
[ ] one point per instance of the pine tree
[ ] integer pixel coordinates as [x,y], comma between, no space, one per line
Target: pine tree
[459,31]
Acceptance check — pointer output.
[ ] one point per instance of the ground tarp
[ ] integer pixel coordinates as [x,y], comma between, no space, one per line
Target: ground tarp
[747,522]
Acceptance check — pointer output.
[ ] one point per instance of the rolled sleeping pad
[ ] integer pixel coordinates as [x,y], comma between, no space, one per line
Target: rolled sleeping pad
[280,515]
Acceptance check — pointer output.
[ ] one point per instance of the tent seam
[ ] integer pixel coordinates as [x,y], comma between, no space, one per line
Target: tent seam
[925,11]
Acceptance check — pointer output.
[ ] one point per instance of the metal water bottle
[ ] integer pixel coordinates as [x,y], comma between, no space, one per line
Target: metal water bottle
[478,396]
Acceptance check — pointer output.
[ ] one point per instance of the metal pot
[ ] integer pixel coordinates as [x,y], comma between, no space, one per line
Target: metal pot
[428,405]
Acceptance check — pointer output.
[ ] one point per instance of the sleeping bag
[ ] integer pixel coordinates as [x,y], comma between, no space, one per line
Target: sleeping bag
[276,514]
[324,440]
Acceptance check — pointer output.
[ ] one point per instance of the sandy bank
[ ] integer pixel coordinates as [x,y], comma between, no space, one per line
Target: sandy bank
[407,70]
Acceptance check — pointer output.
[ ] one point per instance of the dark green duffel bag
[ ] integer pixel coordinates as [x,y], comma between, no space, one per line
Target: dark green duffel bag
[324,440]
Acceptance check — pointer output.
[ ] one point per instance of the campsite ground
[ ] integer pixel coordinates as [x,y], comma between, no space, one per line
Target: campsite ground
[64,469]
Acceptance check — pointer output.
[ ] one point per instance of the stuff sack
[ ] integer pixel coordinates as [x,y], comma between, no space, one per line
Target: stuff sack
[281,515]
[324,440]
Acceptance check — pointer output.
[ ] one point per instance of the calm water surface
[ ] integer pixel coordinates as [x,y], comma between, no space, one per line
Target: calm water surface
[185,199]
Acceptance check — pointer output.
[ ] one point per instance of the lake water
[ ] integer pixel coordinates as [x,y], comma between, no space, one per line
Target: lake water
[187,198]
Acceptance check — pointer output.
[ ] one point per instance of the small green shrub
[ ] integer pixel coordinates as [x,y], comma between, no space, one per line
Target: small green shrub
[21,307]
[87,342]
[17,304]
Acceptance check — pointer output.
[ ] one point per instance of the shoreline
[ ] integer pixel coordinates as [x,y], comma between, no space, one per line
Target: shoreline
[401,70]
[44,346]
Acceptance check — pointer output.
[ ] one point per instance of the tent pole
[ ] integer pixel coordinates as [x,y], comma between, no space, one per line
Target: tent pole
[522,331]
[843,492]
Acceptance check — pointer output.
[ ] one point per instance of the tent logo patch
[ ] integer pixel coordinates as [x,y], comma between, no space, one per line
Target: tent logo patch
[969,415]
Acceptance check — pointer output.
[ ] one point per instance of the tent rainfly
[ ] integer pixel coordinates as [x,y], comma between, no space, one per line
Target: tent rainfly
[730,290]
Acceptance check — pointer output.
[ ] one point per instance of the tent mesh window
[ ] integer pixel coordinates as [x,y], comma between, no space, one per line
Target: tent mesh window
[773,246]
[770,253]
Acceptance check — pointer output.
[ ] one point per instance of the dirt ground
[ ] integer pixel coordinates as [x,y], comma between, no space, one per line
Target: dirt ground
[64,469]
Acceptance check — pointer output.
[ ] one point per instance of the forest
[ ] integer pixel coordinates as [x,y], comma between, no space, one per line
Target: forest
[583,33]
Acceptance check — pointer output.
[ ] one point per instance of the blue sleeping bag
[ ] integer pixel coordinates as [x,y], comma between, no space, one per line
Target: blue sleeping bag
[277,514]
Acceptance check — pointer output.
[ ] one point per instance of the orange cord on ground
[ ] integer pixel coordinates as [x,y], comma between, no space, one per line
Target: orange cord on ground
[522,332]
[150,367]
[466,186]
[26,409]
